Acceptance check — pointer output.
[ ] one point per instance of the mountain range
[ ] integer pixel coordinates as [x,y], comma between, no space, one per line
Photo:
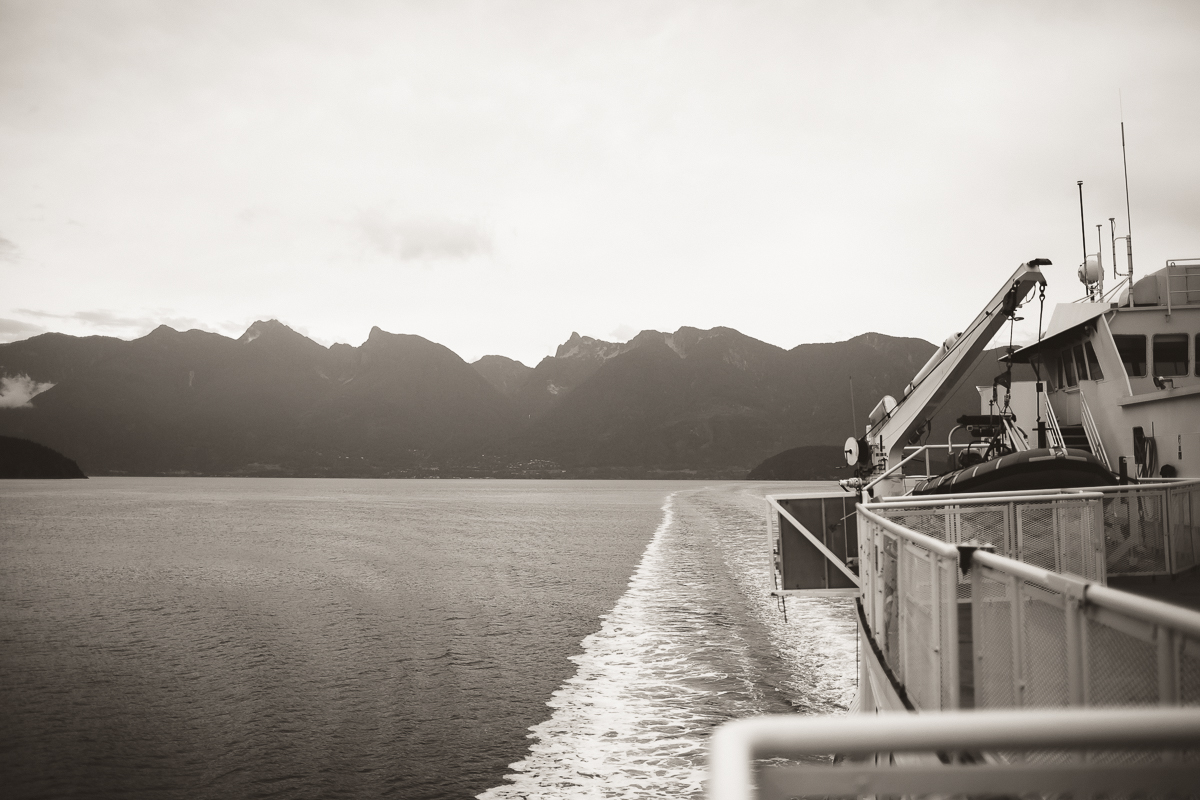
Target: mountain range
[693,403]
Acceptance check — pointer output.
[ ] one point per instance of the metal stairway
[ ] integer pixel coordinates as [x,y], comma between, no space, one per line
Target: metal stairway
[1075,437]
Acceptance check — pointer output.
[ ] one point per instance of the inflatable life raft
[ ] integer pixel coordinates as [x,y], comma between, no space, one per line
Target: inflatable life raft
[1041,468]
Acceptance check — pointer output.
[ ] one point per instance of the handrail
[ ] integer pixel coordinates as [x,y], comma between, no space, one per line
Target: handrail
[1055,430]
[736,745]
[1150,610]
[1059,581]
[1174,262]
[927,542]
[1015,435]
[1092,431]
[890,470]
[984,499]
[955,498]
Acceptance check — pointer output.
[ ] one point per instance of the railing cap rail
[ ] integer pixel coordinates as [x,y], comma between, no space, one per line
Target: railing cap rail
[990,500]
[1146,609]
[927,542]
[736,744]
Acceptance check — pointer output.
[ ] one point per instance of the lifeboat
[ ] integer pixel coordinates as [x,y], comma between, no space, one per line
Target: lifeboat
[1039,468]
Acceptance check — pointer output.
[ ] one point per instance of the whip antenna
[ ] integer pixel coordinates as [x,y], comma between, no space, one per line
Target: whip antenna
[1128,220]
[853,413]
[1082,226]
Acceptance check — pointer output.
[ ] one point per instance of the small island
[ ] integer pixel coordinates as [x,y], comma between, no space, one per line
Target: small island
[820,462]
[21,458]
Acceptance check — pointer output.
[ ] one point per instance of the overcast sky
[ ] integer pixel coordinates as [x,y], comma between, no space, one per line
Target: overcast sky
[495,175]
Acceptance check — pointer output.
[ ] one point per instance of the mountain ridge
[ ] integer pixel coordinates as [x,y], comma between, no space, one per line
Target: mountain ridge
[690,403]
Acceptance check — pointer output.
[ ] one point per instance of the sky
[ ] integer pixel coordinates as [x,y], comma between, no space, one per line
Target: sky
[496,175]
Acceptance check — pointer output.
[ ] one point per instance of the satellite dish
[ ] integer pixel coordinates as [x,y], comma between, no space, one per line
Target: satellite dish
[851,451]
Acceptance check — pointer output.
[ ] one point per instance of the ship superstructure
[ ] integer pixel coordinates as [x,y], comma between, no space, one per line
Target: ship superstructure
[987,626]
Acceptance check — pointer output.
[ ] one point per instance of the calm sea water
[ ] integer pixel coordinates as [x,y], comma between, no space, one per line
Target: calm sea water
[420,639]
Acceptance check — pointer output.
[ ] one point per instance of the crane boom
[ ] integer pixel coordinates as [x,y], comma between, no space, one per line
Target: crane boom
[945,371]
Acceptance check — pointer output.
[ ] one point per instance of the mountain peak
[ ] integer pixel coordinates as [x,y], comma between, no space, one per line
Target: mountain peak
[276,333]
[587,348]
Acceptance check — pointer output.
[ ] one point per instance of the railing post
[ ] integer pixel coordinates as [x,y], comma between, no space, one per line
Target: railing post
[935,621]
[977,633]
[1100,546]
[1168,666]
[1072,608]
[1017,614]
[902,609]
[949,574]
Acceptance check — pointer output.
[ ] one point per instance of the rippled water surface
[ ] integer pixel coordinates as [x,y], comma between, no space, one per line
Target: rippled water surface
[262,638]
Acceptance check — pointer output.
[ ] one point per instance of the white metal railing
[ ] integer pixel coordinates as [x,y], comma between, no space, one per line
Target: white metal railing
[927,450]
[1016,436]
[1054,435]
[1152,528]
[1042,639]
[1092,431]
[1149,528]
[738,750]
[1063,532]
[1183,518]
[924,449]
[909,591]
[1188,275]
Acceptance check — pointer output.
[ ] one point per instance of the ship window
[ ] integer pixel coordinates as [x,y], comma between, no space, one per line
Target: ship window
[1093,362]
[1080,365]
[1068,368]
[1171,354]
[1133,354]
[1047,365]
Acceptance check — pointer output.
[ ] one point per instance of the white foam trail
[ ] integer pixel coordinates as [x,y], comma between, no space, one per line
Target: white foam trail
[682,651]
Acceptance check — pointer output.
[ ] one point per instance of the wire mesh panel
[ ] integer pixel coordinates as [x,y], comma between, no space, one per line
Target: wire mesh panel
[1059,534]
[1184,509]
[1019,636]
[1135,535]
[920,667]
[993,621]
[1189,672]
[1049,640]
[909,589]
[1122,660]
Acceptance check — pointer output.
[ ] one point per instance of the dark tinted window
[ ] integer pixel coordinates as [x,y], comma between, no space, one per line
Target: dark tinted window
[1171,354]
[1077,351]
[1133,354]
[1047,367]
[1068,368]
[1093,363]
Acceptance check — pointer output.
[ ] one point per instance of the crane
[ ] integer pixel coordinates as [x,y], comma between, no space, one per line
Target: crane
[892,422]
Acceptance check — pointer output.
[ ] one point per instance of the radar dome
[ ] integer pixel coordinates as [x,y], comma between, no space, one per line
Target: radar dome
[1090,271]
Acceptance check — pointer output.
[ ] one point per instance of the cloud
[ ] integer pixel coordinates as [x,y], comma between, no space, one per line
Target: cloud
[623,333]
[15,327]
[414,239]
[17,391]
[99,319]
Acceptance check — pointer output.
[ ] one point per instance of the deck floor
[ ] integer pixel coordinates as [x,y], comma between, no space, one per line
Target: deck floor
[1181,590]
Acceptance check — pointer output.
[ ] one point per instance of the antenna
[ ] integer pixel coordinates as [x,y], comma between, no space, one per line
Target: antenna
[1112,229]
[1082,226]
[1128,220]
[853,413]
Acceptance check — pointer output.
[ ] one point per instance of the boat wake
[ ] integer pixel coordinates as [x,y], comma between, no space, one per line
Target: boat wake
[695,641]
